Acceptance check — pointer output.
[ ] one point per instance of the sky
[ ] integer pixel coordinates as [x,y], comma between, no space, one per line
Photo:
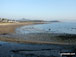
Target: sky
[38,9]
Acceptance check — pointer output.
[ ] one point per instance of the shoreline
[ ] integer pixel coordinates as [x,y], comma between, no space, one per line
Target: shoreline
[7,34]
[8,28]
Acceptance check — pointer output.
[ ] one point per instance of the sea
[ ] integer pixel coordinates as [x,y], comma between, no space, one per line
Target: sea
[53,27]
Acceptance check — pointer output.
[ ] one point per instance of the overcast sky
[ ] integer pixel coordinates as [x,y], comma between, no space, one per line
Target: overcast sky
[38,9]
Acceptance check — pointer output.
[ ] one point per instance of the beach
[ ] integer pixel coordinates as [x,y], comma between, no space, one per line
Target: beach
[8,34]
[7,28]
[32,44]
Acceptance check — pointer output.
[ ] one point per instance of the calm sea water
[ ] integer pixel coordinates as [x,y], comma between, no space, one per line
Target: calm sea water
[59,27]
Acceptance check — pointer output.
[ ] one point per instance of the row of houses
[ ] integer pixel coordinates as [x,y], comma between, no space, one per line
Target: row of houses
[6,20]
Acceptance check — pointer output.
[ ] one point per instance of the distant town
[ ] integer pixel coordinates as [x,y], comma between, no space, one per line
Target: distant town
[5,20]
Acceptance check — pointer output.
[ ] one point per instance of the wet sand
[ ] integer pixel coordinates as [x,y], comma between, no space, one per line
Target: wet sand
[37,38]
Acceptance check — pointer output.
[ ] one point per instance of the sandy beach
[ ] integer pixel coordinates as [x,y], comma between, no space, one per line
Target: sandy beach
[7,28]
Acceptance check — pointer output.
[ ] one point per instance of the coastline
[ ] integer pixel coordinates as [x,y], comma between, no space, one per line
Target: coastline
[7,34]
[13,45]
[8,28]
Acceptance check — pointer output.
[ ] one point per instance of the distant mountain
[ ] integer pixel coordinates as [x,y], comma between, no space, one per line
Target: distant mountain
[23,20]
